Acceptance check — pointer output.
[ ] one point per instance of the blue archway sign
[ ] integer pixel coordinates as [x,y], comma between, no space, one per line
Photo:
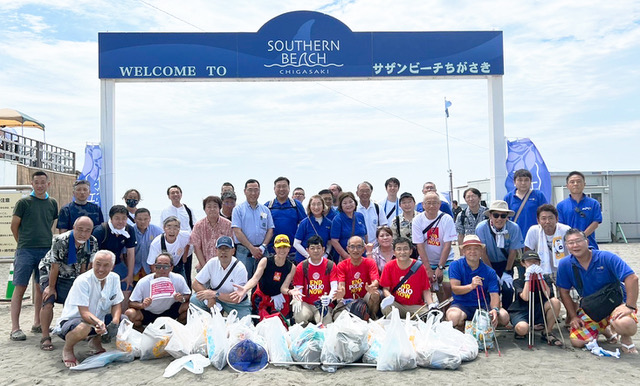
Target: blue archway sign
[300,44]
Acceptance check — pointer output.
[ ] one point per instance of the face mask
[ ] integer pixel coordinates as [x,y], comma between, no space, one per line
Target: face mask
[131,202]
[99,280]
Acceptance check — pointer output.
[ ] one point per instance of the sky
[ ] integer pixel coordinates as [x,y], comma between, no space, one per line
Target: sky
[570,85]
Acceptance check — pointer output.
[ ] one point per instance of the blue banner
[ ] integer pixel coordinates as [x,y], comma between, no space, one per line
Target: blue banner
[91,171]
[523,154]
[300,44]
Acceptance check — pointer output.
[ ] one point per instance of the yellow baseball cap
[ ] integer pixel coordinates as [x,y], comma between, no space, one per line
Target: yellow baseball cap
[281,241]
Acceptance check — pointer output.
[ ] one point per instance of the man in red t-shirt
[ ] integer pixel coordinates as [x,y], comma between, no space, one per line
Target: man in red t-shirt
[358,278]
[315,283]
[414,292]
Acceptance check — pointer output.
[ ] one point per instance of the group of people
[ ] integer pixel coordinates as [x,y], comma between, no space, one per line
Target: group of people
[340,254]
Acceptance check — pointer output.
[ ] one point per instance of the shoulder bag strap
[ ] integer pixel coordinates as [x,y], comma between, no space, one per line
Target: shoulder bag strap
[434,223]
[576,275]
[522,204]
[226,276]
[163,244]
[414,269]
[353,225]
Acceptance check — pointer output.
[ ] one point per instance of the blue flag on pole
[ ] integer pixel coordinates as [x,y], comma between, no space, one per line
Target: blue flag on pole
[91,171]
[523,154]
[447,104]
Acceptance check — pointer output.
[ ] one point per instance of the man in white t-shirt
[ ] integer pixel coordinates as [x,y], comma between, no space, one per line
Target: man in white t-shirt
[432,232]
[546,239]
[93,295]
[213,285]
[391,204]
[163,293]
[173,241]
[373,216]
[187,221]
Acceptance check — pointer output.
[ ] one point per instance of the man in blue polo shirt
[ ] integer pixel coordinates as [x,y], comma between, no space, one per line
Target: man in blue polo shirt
[466,275]
[145,233]
[79,207]
[523,196]
[579,211]
[285,211]
[252,227]
[596,269]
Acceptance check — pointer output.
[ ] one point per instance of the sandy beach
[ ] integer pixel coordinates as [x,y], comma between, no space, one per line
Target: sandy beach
[23,363]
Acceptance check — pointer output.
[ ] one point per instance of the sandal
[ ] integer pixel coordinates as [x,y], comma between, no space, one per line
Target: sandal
[516,336]
[36,329]
[46,346]
[629,348]
[613,339]
[551,339]
[17,335]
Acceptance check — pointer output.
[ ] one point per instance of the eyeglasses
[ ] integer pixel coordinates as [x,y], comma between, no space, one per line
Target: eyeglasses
[499,215]
[357,246]
[578,211]
[163,266]
[574,242]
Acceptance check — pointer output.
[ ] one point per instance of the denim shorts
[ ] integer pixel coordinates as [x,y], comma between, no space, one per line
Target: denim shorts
[26,263]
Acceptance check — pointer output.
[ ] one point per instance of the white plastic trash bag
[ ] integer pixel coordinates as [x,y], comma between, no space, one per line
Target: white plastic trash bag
[375,336]
[128,339]
[182,339]
[397,352]
[277,339]
[155,338]
[197,322]
[345,341]
[194,363]
[217,340]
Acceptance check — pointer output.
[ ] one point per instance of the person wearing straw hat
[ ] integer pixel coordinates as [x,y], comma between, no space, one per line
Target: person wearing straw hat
[527,290]
[503,240]
[465,275]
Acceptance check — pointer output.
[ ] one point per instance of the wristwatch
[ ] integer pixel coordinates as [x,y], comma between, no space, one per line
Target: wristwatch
[441,267]
[496,309]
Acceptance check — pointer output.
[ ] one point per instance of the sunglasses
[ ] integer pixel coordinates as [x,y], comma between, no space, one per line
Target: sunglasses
[163,266]
[499,215]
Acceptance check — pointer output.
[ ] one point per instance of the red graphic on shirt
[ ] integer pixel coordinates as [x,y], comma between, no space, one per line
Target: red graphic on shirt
[317,283]
[433,237]
[277,276]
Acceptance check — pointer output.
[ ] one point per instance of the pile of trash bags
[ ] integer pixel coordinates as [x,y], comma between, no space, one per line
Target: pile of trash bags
[391,344]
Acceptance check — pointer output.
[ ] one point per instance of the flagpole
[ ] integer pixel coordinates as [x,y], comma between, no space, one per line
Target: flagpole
[446,124]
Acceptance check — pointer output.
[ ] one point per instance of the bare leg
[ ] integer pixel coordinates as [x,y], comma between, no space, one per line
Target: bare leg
[37,302]
[125,303]
[16,306]
[73,337]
